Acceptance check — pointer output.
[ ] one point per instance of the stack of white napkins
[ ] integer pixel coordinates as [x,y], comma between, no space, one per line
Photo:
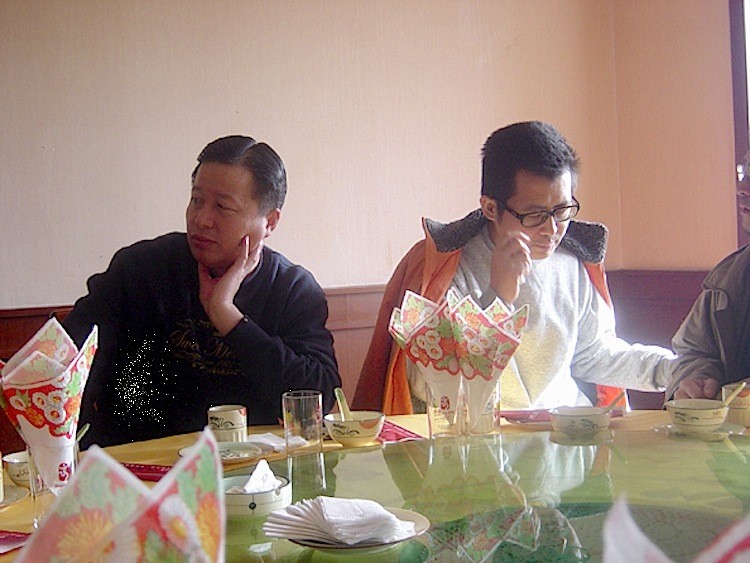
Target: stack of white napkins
[262,480]
[278,443]
[337,520]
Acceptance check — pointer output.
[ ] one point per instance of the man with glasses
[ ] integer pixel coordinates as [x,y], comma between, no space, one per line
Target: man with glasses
[523,247]
[713,342]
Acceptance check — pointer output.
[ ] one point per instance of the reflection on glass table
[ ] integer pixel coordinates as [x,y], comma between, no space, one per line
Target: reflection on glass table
[523,496]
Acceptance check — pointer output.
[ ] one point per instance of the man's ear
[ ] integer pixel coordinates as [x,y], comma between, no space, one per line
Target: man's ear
[490,209]
[272,219]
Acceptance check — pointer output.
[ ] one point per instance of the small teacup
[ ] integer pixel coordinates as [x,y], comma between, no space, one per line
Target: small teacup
[17,467]
[228,422]
[740,401]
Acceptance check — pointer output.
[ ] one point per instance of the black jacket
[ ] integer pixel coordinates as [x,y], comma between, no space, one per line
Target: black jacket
[161,363]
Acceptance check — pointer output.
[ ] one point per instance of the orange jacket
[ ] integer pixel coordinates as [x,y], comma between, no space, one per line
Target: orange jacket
[429,271]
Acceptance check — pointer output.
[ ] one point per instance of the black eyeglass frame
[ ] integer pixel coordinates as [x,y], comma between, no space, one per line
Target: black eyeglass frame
[575,208]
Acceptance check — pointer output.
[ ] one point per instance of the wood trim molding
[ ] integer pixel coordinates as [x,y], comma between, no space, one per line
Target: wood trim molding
[352,308]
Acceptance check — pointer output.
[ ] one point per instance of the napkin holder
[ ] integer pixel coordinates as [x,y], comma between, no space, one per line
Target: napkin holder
[256,504]
[460,351]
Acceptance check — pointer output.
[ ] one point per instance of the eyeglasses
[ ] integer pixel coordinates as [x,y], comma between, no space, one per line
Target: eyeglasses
[536,218]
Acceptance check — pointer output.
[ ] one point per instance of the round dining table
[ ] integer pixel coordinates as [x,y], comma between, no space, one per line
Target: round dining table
[525,493]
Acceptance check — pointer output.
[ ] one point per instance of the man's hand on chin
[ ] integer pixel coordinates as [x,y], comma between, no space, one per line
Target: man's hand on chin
[217,293]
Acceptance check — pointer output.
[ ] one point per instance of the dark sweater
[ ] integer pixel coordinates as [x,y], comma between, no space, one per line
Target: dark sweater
[161,363]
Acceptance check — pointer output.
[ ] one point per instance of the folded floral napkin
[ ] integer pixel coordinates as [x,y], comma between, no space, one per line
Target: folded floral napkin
[460,348]
[42,386]
[624,541]
[393,432]
[147,471]
[10,541]
[337,520]
[106,513]
[261,480]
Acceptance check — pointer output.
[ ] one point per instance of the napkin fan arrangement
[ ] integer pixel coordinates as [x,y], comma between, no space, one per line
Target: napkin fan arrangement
[107,514]
[459,348]
[332,521]
[42,385]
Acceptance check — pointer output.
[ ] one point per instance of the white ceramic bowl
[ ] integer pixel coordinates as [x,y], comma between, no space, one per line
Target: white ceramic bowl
[741,400]
[696,416]
[17,467]
[360,430]
[255,504]
[579,421]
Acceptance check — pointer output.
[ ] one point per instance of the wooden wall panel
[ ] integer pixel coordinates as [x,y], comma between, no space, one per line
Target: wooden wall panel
[649,306]
[352,312]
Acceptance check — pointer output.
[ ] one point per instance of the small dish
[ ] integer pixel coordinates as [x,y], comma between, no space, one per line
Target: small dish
[256,504]
[601,437]
[421,525]
[719,434]
[12,495]
[236,452]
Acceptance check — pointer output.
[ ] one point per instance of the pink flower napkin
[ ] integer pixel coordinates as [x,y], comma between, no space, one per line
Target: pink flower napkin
[106,513]
[460,348]
[42,386]
[625,542]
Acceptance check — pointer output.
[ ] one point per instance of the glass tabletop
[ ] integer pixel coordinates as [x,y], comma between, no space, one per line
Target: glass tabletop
[533,496]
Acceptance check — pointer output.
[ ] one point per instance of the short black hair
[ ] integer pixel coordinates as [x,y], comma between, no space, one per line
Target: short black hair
[260,159]
[532,146]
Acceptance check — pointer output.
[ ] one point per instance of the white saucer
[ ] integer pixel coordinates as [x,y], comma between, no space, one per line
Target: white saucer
[719,434]
[596,439]
[235,452]
[13,494]
[421,525]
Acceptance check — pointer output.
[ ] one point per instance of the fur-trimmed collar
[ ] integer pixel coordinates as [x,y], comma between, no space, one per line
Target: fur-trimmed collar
[586,240]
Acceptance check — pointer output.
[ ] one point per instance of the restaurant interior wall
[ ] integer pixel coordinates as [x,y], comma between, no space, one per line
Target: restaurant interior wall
[379,110]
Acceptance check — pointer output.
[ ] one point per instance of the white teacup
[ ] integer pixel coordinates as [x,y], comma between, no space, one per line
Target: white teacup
[740,401]
[228,422]
[17,467]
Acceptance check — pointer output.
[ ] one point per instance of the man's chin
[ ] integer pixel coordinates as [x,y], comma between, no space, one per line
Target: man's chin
[216,267]
[542,252]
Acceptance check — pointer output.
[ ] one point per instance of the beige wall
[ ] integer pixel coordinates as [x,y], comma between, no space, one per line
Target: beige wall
[379,110]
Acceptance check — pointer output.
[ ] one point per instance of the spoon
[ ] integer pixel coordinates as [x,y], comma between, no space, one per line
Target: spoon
[733,394]
[82,431]
[613,402]
[346,414]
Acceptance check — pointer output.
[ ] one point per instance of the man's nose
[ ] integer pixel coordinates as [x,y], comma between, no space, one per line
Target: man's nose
[550,226]
[203,217]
